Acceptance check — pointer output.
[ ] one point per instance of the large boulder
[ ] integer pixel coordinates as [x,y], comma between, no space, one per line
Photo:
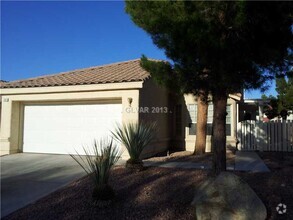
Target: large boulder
[227,197]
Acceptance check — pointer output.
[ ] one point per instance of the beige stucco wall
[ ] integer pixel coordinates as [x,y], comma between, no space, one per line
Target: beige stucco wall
[150,102]
[0,109]
[190,139]
[13,101]
[155,107]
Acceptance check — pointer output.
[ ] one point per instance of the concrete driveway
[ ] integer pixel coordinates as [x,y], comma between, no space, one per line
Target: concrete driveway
[26,178]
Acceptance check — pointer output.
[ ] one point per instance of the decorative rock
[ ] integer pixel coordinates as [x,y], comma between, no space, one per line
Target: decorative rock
[227,197]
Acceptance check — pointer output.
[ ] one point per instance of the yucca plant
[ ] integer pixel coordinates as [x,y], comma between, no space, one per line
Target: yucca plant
[135,137]
[97,163]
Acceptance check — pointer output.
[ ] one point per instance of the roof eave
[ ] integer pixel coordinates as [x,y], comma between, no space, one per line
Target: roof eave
[73,88]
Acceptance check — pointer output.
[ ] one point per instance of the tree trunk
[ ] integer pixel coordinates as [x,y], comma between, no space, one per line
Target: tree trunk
[201,122]
[219,132]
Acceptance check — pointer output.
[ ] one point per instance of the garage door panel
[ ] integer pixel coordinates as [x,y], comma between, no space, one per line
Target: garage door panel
[65,128]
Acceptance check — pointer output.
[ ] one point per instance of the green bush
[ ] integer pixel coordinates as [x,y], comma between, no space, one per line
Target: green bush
[135,137]
[97,163]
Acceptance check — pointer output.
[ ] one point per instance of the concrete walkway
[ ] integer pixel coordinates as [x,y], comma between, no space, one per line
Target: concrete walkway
[185,165]
[244,161]
[249,161]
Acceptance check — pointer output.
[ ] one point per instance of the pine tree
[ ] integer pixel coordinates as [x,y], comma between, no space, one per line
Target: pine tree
[222,47]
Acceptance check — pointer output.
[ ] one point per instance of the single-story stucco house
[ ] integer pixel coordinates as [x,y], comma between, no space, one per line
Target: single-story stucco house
[63,112]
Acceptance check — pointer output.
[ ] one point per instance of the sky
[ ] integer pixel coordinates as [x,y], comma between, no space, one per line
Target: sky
[40,38]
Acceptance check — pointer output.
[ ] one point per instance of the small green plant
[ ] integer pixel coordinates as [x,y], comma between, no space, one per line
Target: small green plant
[97,163]
[135,137]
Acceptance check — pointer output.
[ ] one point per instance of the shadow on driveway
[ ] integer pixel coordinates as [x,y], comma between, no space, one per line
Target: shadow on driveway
[27,177]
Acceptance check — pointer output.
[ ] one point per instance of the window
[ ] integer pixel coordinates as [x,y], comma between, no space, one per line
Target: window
[228,120]
[192,109]
[178,120]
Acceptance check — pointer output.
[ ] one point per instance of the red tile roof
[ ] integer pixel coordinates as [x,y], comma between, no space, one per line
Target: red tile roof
[128,71]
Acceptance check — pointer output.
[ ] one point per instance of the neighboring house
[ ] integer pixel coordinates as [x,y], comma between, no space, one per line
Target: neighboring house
[253,109]
[290,116]
[63,112]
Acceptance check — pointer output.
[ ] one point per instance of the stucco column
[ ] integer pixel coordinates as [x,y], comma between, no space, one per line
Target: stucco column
[5,125]
[130,111]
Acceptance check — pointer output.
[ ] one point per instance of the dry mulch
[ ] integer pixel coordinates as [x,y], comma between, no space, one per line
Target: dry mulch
[155,193]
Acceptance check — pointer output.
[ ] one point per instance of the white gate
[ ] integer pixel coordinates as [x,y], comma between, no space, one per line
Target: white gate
[265,136]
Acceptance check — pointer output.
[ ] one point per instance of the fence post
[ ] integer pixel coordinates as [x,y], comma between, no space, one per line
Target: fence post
[290,136]
[284,136]
[257,136]
[265,126]
[252,135]
[239,135]
[278,128]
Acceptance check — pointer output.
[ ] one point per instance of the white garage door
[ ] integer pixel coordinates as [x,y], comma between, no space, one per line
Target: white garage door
[62,129]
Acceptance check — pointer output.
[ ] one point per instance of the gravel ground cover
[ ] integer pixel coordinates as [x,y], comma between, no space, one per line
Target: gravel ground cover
[277,160]
[275,187]
[156,193]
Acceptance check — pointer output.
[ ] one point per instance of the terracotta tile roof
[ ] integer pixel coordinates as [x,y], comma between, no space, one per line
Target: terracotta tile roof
[128,71]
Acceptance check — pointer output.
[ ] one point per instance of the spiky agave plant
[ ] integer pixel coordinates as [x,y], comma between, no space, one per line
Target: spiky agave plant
[97,163]
[135,137]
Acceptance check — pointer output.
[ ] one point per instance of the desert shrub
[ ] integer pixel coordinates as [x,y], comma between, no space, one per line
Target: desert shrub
[97,162]
[135,137]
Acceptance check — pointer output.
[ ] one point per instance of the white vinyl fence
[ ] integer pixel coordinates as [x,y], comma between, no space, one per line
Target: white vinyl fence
[265,136]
